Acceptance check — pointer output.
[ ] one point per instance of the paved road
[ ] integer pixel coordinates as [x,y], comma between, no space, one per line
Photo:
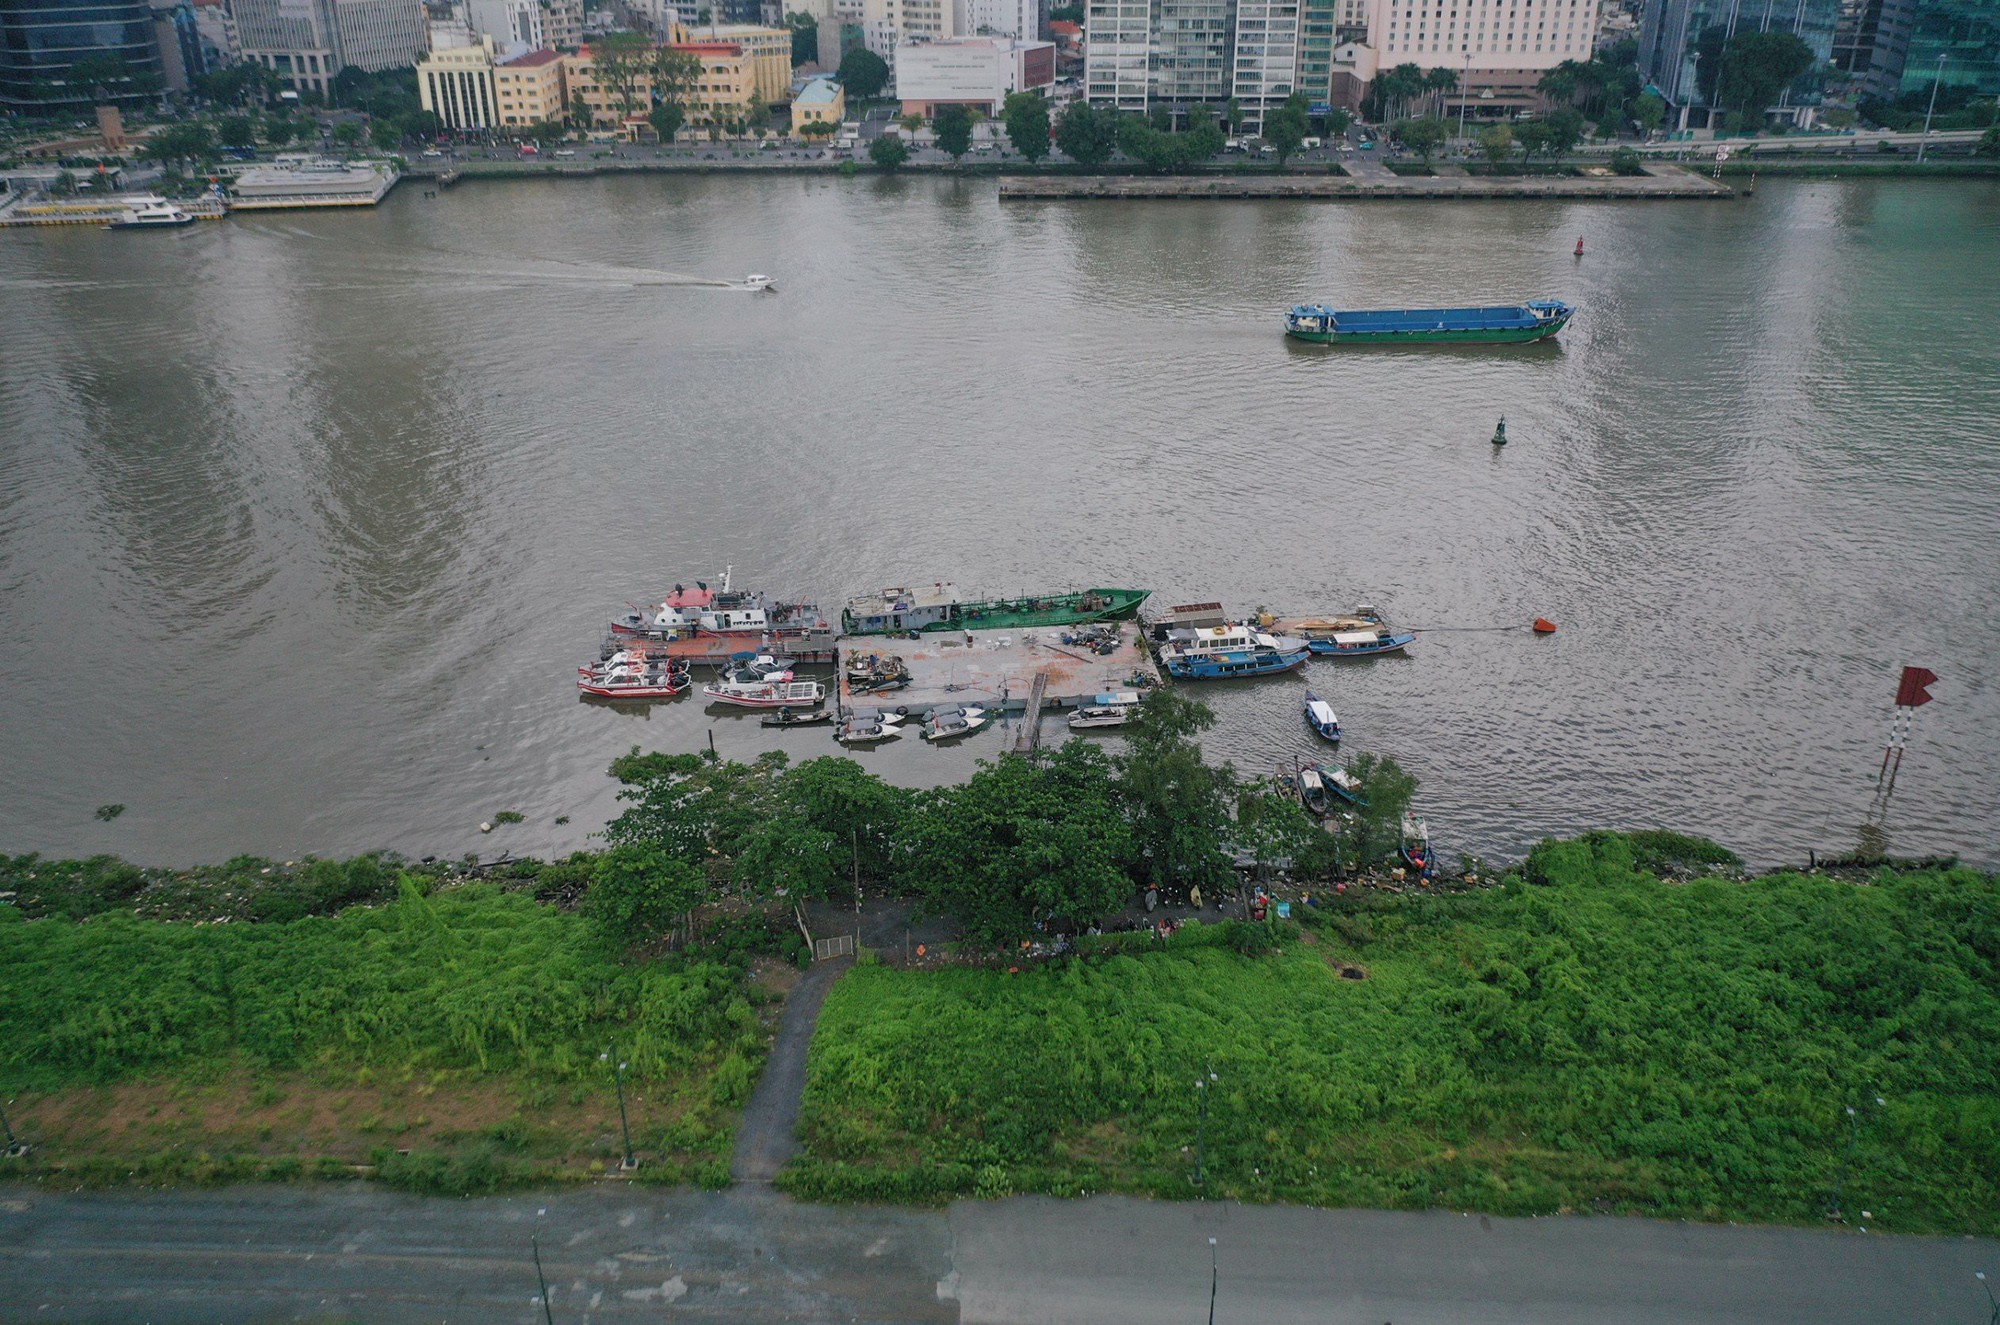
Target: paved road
[767,1134]
[617,1253]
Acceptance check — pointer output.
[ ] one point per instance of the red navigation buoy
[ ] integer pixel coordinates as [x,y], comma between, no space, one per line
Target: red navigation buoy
[1544,626]
[1579,246]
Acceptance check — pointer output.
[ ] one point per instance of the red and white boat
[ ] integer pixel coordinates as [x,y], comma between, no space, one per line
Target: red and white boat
[631,674]
[766,694]
[724,611]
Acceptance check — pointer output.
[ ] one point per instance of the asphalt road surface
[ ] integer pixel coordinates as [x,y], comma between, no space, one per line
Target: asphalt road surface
[616,1253]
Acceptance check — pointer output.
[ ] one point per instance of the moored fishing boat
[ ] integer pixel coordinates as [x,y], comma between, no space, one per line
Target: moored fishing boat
[785,717]
[765,695]
[1321,717]
[951,721]
[1505,324]
[1313,791]
[898,611]
[1361,633]
[748,668]
[1226,651]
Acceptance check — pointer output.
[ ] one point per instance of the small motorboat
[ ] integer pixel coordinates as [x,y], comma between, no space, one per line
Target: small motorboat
[869,728]
[785,717]
[638,677]
[1362,633]
[770,695]
[757,283]
[953,721]
[755,669]
[1312,788]
[159,214]
[1321,717]
[1113,709]
[1415,850]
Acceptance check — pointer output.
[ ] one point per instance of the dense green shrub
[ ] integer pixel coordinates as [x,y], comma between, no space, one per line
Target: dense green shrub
[468,978]
[1684,1048]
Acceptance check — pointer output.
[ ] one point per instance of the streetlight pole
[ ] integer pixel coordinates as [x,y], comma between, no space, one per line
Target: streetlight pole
[1201,1088]
[1464,92]
[1980,1275]
[624,1125]
[1211,1282]
[1925,141]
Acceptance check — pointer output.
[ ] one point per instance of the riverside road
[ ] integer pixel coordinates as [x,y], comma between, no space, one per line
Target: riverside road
[616,1253]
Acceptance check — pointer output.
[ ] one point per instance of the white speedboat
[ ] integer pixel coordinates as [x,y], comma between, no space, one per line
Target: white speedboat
[757,283]
[953,721]
[159,214]
[1108,710]
[869,728]
[769,695]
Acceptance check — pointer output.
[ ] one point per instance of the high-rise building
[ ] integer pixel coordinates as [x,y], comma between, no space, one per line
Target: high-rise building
[309,41]
[1966,33]
[1026,19]
[54,52]
[1118,47]
[1670,31]
[1265,61]
[562,21]
[1871,44]
[511,23]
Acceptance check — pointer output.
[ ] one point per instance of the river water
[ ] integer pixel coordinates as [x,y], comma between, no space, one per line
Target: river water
[306,519]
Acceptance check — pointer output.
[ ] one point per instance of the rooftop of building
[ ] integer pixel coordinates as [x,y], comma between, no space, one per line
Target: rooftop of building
[1062,27]
[819,92]
[532,60]
[707,47]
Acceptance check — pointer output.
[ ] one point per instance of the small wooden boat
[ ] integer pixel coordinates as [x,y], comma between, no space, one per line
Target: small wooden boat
[1361,633]
[1313,790]
[869,728]
[1321,717]
[785,717]
[1415,849]
[771,695]
[953,721]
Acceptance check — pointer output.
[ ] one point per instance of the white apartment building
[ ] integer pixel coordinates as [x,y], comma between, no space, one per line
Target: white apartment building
[1025,19]
[456,84]
[971,71]
[1265,65]
[1118,49]
[1501,47]
[562,23]
[887,24]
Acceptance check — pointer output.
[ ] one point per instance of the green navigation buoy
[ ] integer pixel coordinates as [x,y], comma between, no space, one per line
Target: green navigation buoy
[1500,433]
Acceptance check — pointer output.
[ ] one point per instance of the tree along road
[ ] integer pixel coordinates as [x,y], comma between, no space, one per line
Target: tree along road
[619,1253]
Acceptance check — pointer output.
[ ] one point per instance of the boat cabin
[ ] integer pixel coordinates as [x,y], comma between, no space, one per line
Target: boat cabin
[899,609]
[1210,640]
[1312,318]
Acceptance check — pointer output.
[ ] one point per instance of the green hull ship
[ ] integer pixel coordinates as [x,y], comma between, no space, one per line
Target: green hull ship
[1511,324]
[938,607]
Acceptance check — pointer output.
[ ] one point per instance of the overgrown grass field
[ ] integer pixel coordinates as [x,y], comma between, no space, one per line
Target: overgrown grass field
[1585,1036]
[452,1039]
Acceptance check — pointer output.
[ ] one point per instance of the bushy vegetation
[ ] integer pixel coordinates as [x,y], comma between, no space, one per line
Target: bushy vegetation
[1585,1036]
[473,978]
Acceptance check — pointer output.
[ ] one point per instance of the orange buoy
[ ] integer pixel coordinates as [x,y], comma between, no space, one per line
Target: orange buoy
[1579,246]
[1544,626]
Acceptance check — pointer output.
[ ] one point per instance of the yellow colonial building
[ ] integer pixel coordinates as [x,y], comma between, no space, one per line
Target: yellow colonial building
[821,101]
[769,51]
[722,94]
[530,89]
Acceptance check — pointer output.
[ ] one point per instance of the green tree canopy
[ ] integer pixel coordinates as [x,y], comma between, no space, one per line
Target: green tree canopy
[621,61]
[237,131]
[805,38]
[889,152]
[1496,143]
[1649,112]
[1386,791]
[1563,130]
[1026,116]
[638,891]
[1338,121]
[953,127]
[1285,128]
[863,73]
[386,134]
[1423,137]
[1166,153]
[1021,840]
[1177,804]
[1087,135]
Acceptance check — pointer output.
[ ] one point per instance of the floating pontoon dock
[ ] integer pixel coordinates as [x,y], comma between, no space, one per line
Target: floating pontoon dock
[997,670]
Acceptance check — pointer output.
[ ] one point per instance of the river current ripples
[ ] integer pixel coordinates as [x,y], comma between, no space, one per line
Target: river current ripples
[305,520]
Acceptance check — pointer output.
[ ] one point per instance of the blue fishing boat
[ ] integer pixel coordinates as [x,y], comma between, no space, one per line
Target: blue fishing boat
[1222,652]
[1361,633]
[1321,717]
[1506,324]
[1415,849]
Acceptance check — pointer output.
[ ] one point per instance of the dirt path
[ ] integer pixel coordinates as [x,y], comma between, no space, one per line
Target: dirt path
[766,1137]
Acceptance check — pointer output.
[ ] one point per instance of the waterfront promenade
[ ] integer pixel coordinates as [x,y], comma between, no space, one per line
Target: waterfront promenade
[614,1252]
